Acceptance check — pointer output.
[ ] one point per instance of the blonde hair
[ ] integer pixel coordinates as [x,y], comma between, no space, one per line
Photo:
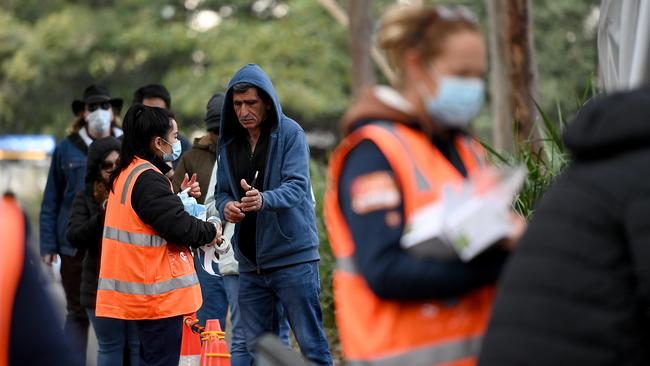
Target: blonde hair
[423,28]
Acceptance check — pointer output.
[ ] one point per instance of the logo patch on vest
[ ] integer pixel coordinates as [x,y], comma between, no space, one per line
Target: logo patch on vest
[373,192]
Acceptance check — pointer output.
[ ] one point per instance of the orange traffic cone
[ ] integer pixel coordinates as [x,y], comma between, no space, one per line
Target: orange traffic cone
[191,343]
[214,350]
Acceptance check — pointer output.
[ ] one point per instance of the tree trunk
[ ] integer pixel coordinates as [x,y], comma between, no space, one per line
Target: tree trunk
[360,44]
[514,79]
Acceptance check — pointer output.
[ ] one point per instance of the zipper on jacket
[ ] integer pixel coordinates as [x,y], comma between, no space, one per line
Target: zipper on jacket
[267,172]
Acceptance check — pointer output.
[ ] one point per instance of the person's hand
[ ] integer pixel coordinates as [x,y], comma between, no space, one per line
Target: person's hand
[232,212]
[217,238]
[49,259]
[192,184]
[518,225]
[253,199]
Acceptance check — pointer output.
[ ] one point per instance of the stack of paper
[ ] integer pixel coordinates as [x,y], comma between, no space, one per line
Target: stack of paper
[468,219]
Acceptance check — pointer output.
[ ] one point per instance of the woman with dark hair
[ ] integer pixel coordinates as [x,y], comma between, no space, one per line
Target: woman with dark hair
[146,272]
[85,233]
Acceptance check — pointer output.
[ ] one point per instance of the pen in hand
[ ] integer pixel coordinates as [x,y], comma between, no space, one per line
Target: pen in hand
[254,180]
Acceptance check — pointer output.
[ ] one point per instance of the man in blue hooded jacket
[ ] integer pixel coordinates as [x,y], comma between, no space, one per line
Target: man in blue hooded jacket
[263,185]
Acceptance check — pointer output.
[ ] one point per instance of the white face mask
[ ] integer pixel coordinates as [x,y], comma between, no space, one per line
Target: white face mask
[99,122]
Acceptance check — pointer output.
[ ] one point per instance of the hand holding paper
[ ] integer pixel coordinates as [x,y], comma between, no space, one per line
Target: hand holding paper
[468,218]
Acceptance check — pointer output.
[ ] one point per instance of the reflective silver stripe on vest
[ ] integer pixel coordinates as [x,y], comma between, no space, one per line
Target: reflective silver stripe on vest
[127,183]
[139,239]
[134,288]
[429,355]
[347,264]
[420,180]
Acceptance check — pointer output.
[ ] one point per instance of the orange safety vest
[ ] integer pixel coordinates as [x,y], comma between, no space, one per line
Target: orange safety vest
[141,275]
[12,240]
[374,331]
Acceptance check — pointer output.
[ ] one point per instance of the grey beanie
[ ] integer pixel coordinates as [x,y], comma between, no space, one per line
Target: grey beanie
[213,114]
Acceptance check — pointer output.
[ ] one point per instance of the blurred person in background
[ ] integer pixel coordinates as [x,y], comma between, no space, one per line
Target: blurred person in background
[576,291]
[199,162]
[96,117]
[156,95]
[403,144]
[85,230]
[29,331]
[146,272]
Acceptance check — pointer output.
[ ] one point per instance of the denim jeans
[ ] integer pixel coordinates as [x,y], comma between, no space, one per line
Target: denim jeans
[297,288]
[215,302]
[238,351]
[112,335]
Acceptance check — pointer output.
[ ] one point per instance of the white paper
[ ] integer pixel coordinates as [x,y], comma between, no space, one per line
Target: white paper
[467,219]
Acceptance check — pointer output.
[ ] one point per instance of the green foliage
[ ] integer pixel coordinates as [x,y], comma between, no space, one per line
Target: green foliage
[545,163]
[50,53]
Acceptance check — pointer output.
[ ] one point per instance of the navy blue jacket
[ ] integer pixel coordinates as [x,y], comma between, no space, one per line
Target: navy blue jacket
[64,180]
[286,224]
[390,271]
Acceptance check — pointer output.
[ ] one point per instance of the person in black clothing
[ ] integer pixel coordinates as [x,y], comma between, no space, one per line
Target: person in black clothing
[576,291]
[85,233]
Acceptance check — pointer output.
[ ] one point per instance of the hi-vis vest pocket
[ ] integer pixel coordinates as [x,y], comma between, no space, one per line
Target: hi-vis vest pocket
[180,260]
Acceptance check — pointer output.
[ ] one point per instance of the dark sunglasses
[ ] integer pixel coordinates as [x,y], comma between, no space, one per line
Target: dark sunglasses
[94,106]
[109,165]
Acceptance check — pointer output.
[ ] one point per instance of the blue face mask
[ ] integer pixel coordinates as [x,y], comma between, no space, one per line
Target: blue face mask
[458,101]
[176,151]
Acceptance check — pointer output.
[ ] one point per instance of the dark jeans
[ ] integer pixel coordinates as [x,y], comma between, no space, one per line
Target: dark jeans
[238,350]
[115,337]
[215,301]
[160,341]
[76,321]
[297,288]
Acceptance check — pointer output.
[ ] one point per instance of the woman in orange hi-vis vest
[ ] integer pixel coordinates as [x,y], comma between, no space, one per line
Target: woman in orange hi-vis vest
[403,145]
[146,270]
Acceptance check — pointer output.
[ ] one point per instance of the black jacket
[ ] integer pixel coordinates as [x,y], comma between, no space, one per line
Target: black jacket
[156,205]
[86,222]
[85,229]
[577,290]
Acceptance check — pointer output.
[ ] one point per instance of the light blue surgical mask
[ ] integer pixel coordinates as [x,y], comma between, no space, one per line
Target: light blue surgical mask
[459,100]
[176,151]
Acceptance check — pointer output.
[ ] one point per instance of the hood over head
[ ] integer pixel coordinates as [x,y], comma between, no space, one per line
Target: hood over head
[608,125]
[252,74]
[97,152]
